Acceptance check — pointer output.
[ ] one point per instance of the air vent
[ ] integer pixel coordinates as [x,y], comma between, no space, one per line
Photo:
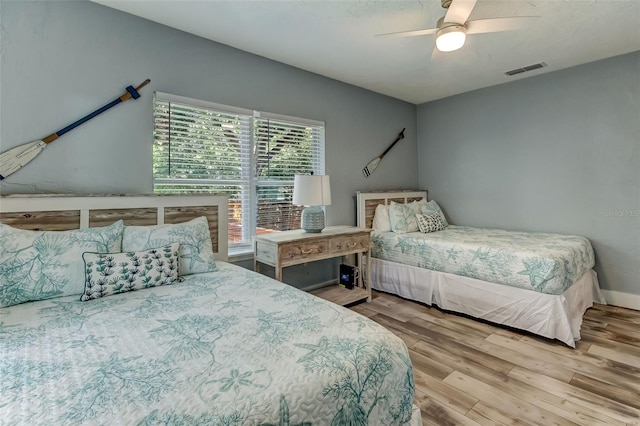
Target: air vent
[527,68]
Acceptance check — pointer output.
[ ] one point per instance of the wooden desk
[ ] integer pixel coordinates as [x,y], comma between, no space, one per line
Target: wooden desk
[288,248]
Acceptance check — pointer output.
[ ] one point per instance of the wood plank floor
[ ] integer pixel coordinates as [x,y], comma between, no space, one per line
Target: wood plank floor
[469,372]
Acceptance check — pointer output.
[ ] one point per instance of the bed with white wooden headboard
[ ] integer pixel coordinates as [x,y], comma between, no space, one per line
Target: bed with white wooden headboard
[67,212]
[444,268]
[95,331]
[368,201]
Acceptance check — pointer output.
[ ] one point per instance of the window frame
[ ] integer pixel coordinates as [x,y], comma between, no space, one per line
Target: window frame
[249,221]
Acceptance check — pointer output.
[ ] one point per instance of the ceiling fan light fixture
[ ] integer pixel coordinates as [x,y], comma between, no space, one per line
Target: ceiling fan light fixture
[451,38]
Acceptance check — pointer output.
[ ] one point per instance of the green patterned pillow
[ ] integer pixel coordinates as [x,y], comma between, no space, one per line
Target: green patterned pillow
[403,217]
[195,253]
[113,273]
[432,207]
[37,265]
[430,222]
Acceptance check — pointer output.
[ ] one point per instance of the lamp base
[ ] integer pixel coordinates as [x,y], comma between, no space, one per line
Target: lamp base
[312,219]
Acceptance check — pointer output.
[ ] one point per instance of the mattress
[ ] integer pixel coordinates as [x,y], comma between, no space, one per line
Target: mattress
[542,262]
[224,348]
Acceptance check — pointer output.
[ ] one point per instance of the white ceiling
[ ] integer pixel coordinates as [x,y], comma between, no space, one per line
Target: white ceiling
[337,38]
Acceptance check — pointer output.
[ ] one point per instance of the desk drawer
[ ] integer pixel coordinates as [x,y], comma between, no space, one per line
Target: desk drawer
[303,251]
[266,253]
[349,243]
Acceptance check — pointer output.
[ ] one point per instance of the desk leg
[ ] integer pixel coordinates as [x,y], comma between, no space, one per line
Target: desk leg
[368,281]
[278,273]
[360,272]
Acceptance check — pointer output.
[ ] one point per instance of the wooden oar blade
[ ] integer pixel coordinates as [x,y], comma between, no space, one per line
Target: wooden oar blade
[369,168]
[15,158]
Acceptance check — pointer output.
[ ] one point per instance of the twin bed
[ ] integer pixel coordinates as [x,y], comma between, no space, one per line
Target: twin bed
[219,345]
[541,283]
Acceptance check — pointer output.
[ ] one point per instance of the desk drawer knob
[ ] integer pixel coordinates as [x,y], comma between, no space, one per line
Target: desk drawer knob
[306,251]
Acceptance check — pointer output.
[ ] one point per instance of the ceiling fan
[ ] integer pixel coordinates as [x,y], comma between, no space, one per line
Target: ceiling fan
[452,29]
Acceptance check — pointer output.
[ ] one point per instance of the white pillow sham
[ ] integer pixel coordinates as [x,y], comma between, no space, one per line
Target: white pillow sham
[195,252]
[38,265]
[403,217]
[381,221]
[433,207]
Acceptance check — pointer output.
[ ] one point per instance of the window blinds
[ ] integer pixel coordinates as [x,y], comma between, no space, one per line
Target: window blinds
[252,157]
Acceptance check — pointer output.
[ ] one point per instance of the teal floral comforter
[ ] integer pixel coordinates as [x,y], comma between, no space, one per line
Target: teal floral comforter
[222,348]
[546,263]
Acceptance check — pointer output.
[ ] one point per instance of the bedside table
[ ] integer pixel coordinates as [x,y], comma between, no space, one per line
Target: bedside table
[288,248]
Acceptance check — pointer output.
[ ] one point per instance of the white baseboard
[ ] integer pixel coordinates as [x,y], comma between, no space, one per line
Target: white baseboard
[618,298]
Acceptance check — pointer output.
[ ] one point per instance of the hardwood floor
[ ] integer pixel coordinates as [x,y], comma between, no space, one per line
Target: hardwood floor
[469,372]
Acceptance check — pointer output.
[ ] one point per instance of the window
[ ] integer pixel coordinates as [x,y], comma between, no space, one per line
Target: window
[252,157]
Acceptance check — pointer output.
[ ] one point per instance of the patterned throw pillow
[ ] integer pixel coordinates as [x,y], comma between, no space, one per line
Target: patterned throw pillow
[430,222]
[432,207]
[113,273]
[195,252]
[403,217]
[37,265]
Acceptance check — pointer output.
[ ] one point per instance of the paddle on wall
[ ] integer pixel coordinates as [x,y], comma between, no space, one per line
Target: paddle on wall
[373,164]
[15,158]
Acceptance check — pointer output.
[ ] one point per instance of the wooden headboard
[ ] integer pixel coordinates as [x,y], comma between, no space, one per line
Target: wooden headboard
[368,201]
[65,212]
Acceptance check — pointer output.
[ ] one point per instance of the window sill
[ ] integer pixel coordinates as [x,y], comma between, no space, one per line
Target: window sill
[240,255]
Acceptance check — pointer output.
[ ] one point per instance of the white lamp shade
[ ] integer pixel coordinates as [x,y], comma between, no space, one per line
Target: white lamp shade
[451,38]
[311,190]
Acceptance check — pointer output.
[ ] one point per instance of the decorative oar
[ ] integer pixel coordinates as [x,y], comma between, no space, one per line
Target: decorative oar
[15,158]
[373,164]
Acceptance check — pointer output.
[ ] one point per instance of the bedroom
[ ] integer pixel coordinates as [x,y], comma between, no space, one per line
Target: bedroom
[62,58]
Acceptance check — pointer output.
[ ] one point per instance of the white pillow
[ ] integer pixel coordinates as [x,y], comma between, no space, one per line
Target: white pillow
[195,252]
[38,265]
[403,217]
[432,207]
[381,219]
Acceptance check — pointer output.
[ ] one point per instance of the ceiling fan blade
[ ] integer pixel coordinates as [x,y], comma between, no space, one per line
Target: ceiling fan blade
[411,33]
[459,11]
[495,25]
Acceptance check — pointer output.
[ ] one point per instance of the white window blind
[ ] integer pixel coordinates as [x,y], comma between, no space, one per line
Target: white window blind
[250,156]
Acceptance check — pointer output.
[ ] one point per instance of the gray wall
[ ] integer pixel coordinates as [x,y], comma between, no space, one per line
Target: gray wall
[558,152]
[62,60]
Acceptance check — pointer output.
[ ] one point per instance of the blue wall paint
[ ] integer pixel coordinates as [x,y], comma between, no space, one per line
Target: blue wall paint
[63,59]
[559,152]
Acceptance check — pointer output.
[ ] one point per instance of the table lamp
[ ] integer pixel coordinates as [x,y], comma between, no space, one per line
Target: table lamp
[312,191]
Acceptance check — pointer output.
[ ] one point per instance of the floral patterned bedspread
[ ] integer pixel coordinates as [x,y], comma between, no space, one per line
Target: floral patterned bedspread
[223,348]
[546,263]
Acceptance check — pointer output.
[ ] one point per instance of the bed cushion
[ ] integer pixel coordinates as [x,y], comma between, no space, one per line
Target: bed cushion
[381,219]
[195,253]
[430,222]
[113,273]
[37,265]
[431,207]
[403,217]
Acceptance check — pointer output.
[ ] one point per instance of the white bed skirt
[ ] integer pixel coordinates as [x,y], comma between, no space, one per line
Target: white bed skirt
[553,316]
